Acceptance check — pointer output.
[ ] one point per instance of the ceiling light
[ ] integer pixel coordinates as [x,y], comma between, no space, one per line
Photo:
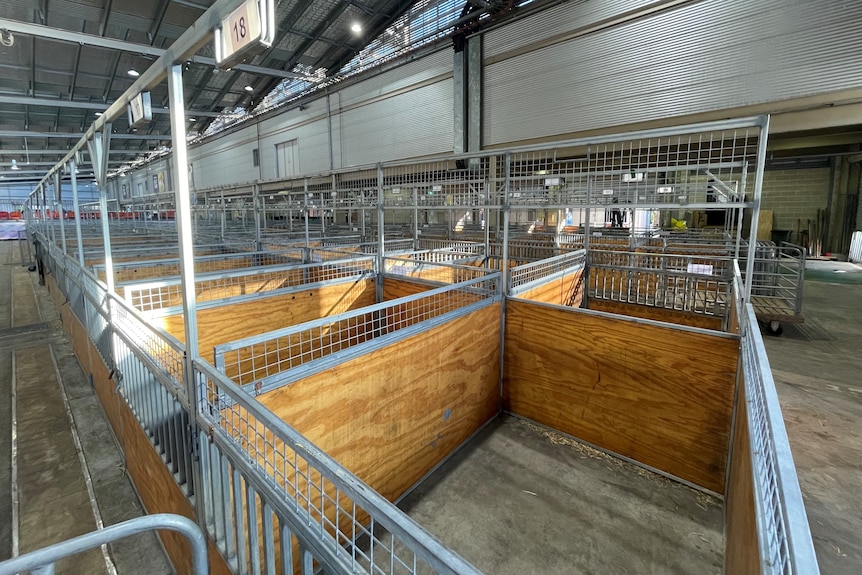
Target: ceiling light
[15,165]
[356,28]
[193,119]
[133,73]
[248,89]
[98,114]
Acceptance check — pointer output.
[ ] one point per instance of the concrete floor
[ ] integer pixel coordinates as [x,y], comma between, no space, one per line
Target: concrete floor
[54,502]
[817,368]
[521,499]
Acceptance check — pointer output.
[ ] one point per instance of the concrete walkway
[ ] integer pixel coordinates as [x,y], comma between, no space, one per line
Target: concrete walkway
[818,372]
[60,468]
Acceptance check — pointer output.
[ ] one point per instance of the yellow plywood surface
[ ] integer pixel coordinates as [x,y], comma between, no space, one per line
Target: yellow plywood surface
[391,415]
[226,323]
[396,288]
[659,395]
[557,291]
[741,549]
[658,314]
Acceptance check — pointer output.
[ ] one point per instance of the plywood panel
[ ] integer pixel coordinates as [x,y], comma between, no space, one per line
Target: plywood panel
[391,415]
[396,288]
[741,548]
[659,395]
[154,483]
[558,291]
[658,314]
[227,323]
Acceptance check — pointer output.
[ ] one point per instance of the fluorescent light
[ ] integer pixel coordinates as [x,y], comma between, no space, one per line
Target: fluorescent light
[248,89]
[133,73]
[193,119]
[356,28]
[98,114]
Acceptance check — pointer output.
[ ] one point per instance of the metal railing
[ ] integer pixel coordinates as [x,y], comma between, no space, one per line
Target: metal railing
[336,519]
[42,561]
[166,295]
[689,283]
[778,280]
[444,271]
[784,538]
[165,268]
[262,362]
[523,277]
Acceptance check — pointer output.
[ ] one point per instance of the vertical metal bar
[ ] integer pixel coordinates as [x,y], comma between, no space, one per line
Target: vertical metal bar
[755,214]
[253,540]
[255,203]
[415,218]
[241,542]
[182,215]
[285,543]
[380,233]
[73,168]
[305,211]
[58,199]
[268,542]
[504,271]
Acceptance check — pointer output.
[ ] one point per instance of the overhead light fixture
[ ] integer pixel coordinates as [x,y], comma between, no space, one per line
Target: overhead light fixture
[356,28]
[133,73]
[15,165]
[248,89]
[193,119]
[98,114]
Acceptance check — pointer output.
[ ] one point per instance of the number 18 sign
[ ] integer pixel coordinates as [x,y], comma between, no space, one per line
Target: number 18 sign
[247,30]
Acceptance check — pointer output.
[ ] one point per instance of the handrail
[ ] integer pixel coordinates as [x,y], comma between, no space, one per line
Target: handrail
[386,514]
[784,537]
[43,560]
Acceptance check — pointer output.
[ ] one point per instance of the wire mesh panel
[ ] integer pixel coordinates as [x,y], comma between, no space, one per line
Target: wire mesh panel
[447,182]
[167,295]
[261,360]
[782,525]
[698,167]
[340,524]
[696,284]
[521,276]
[438,267]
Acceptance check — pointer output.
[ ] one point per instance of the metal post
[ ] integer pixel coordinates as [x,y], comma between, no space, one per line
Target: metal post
[504,271]
[305,211]
[73,167]
[182,200]
[380,234]
[45,231]
[415,218]
[58,198]
[755,213]
[106,239]
[255,205]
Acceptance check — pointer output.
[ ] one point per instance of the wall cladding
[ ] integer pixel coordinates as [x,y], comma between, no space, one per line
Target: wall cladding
[700,57]
[795,194]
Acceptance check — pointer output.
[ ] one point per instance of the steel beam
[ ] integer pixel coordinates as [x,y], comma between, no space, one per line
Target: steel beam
[49,102]
[79,135]
[81,39]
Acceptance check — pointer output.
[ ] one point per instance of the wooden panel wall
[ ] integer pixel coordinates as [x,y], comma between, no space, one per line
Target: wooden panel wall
[391,415]
[231,322]
[657,313]
[558,291]
[741,553]
[396,288]
[659,395]
[155,485]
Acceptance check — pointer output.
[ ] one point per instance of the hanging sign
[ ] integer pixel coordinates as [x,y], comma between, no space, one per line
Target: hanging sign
[140,110]
[246,31]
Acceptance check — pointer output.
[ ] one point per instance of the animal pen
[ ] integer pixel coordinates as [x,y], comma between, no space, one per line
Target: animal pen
[295,357]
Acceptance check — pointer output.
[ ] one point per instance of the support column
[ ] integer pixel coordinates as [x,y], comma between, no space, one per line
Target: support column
[255,205]
[380,233]
[73,169]
[58,201]
[755,213]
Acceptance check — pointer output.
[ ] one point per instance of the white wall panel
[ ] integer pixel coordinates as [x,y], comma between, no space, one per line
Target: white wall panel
[706,56]
[414,123]
[226,160]
[399,78]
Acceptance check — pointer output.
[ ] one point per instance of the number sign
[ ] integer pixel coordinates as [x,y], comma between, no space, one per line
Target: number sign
[249,27]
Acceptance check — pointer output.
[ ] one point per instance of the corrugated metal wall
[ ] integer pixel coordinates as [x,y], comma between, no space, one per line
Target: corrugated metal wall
[405,112]
[699,57]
